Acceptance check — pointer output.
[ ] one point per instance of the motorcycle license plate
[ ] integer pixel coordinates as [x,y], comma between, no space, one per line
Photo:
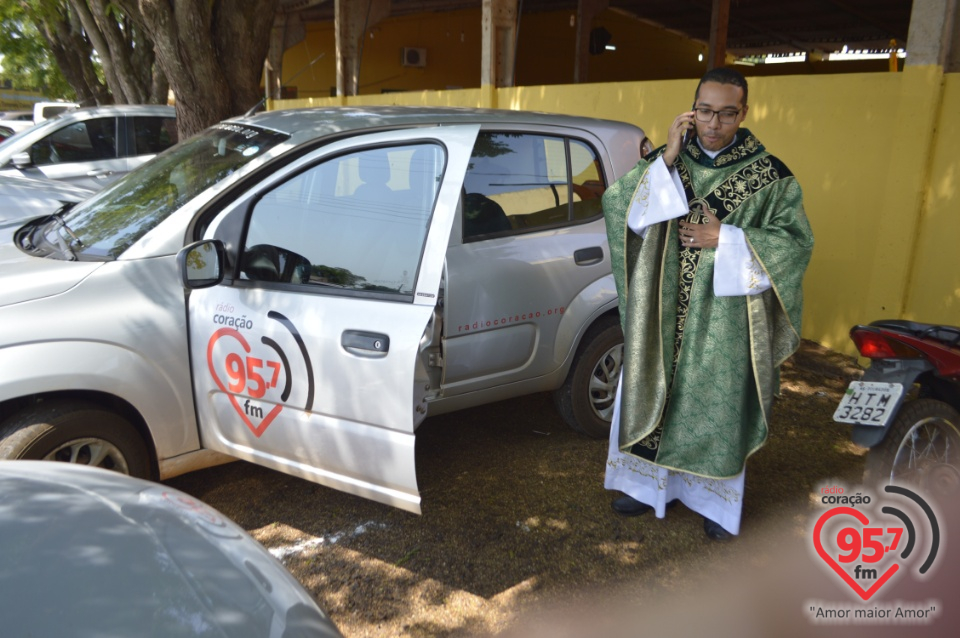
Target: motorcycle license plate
[868,403]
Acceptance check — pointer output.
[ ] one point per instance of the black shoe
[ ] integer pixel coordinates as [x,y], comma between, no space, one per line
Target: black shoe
[714,531]
[629,506]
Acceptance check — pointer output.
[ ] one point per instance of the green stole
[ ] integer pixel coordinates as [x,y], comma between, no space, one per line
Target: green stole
[700,371]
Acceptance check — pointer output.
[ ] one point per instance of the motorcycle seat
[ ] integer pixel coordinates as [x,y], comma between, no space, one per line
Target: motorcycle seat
[945,334]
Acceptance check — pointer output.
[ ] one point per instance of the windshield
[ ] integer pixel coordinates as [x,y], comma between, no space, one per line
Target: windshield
[105,225]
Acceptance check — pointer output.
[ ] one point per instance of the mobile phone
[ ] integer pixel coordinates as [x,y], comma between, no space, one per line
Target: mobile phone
[688,136]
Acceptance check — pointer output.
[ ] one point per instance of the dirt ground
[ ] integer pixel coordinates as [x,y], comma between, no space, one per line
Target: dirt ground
[516,524]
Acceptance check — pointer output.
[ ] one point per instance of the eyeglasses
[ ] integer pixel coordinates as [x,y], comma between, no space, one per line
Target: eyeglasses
[726,117]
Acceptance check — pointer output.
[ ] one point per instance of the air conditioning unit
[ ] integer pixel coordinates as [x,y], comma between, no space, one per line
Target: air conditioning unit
[414,57]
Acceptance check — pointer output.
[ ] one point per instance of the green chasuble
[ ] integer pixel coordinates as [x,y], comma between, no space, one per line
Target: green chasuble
[700,371]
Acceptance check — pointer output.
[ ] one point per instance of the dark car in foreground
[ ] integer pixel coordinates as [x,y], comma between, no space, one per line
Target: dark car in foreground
[89,553]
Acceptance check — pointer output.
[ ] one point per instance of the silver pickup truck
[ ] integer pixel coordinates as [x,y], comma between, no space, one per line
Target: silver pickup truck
[300,289]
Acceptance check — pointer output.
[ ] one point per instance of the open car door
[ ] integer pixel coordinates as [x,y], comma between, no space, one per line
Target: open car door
[309,358]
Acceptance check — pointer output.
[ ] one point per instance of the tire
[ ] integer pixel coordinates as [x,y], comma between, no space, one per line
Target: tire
[586,398]
[922,449]
[81,433]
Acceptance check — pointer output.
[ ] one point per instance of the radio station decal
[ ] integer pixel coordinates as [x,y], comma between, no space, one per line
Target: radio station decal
[511,318]
[869,542]
[258,382]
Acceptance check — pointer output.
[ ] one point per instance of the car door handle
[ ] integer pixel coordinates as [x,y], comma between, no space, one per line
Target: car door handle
[365,344]
[100,173]
[588,256]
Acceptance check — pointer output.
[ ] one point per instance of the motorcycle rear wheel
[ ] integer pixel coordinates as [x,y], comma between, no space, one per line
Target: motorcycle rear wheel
[921,450]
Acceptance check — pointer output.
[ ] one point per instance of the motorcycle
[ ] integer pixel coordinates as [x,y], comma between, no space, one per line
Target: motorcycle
[905,407]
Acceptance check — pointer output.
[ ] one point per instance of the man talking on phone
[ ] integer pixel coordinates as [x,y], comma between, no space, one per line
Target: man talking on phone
[709,243]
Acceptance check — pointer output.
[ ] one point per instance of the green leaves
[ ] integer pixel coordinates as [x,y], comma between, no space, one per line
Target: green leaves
[27,63]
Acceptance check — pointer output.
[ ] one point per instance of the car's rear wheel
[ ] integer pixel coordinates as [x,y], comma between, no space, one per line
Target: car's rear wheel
[75,432]
[586,398]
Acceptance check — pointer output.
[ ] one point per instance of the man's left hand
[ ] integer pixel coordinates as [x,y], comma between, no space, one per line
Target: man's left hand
[705,235]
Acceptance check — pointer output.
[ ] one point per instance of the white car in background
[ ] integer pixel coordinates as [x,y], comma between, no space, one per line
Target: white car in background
[17,126]
[17,120]
[41,111]
[90,147]
[46,110]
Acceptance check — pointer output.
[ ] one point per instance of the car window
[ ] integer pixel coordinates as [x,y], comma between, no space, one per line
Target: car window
[517,182]
[356,222]
[586,181]
[152,135]
[86,141]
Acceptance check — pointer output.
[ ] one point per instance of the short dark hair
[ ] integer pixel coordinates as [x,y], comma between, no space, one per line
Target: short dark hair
[723,75]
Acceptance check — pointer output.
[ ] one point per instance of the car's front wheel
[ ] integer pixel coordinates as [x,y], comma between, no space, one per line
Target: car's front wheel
[586,398]
[75,432]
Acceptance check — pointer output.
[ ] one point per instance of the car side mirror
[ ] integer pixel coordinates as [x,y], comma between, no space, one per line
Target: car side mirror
[22,160]
[202,264]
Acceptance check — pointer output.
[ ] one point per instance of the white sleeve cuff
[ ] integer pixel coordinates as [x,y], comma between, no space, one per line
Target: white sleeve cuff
[659,197]
[736,271]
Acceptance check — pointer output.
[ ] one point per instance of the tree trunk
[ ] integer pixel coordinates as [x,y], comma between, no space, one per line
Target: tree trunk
[126,52]
[100,44]
[211,51]
[73,53]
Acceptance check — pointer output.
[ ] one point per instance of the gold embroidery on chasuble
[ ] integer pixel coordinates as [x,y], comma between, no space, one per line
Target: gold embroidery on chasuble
[689,258]
[741,185]
[737,152]
[718,487]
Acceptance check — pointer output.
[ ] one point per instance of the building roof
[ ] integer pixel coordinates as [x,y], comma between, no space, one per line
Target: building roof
[755,26]
[784,26]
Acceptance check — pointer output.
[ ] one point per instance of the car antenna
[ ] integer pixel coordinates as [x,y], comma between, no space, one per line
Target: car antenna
[264,98]
[255,107]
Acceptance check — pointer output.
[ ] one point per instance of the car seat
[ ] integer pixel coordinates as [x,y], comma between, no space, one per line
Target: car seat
[374,168]
[482,216]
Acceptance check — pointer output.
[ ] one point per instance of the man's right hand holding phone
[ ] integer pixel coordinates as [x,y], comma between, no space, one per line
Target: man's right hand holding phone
[676,136]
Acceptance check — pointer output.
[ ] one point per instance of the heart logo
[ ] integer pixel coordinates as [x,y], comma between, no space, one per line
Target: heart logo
[238,375]
[865,594]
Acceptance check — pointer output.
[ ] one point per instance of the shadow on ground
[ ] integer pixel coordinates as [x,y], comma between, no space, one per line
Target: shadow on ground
[514,509]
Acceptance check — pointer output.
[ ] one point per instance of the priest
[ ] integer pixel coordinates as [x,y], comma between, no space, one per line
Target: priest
[709,243]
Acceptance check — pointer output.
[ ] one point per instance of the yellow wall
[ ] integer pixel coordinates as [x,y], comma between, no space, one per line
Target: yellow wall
[933,293]
[874,153]
[316,79]
[452,41]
